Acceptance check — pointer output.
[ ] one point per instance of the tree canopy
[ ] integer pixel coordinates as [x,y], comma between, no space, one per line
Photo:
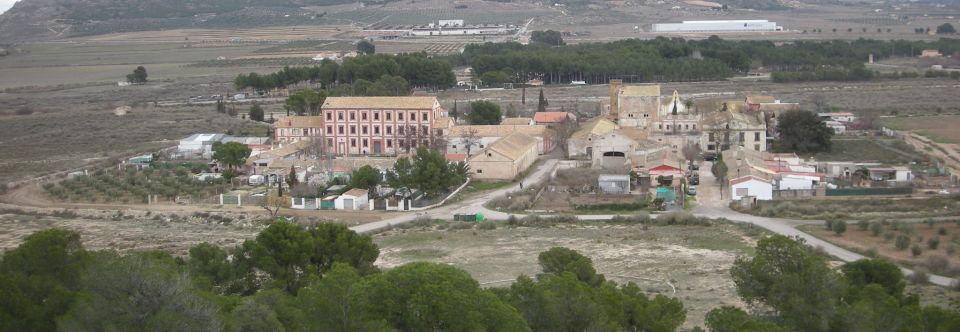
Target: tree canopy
[803,132]
[416,69]
[231,154]
[256,112]
[549,37]
[428,171]
[365,177]
[483,112]
[946,29]
[306,102]
[139,76]
[365,47]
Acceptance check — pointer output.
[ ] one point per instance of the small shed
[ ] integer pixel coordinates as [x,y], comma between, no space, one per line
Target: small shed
[614,184]
[353,199]
[752,186]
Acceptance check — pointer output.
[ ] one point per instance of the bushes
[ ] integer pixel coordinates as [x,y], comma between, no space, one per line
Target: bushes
[487,226]
[863,225]
[681,218]
[919,277]
[839,227]
[933,243]
[903,242]
[876,228]
[938,263]
[916,250]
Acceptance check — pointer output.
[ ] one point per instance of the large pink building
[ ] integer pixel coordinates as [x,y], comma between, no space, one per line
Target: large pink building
[382,125]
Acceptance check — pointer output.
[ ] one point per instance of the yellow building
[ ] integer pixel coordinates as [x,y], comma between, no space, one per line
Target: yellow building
[505,159]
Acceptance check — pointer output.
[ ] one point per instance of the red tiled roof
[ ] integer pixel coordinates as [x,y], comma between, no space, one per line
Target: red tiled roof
[455,157]
[549,117]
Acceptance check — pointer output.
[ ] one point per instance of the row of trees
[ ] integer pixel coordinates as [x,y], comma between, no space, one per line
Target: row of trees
[677,59]
[416,69]
[322,278]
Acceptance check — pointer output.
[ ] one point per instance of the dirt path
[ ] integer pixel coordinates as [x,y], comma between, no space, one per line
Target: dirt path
[945,152]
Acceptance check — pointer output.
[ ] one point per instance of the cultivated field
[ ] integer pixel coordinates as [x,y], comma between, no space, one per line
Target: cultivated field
[941,128]
[695,260]
[886,151]
[936,242]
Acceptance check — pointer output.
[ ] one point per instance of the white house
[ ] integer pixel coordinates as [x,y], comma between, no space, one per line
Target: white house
[354,199]
[903,174]
[750,185]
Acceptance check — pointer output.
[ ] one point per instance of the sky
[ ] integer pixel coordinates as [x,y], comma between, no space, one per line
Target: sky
[6,4]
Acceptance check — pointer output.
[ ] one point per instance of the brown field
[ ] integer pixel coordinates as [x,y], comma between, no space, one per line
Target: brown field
[694,260]
[941,128]
[222,35]
[862,241]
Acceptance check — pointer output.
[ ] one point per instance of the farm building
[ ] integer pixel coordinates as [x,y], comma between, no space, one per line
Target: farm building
[198,145]
[517,121]
[750,185]
[582,141]
[718,26]
[290,129]
[506,158]
[484,135]
[614,184]
[353,199]
[458,28]
[382,125]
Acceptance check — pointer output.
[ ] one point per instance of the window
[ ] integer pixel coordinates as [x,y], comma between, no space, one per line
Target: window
[353,130]
[363,130]
[425,116]
[376,116]
[479,171]
[329,116]
[376,130]
[710,147]
[756,147]
[399,116]
[687,127]
[329,142]
[742,136]
[363,116]
[353,116]
[489,155]
[400,130]
[389,143]
[329,130]
[364,142]
[668,127]
[710,137]
[660,126]
[389,116]
[453,146]
[402,143]
[389,130]
[694,127]
[756,136]
[353,142]
[426,143]
[340,130]
[425,130]
[413,116]
[339,115]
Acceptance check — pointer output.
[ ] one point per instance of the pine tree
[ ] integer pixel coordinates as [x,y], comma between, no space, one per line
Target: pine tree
[542,103]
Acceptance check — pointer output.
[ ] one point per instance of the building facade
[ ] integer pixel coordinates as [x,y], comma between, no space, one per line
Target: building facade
[382,125]
[290,129]
[638,105]
[505,159]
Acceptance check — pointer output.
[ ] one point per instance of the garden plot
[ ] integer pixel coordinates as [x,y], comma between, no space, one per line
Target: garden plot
[132,186]
[694,260]
[932,244]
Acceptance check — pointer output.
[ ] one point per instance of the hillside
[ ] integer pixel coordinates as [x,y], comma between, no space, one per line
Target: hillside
[33,19]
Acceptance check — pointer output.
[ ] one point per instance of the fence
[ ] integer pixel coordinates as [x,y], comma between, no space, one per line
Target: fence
[869,191]
[794,193]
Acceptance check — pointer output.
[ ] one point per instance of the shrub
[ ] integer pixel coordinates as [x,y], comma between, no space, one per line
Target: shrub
[933,243]
[829,224]
[487,226]
[919,277]
[942,231]
[512,220]
[871,252]
[876,228]
[863,225]
[916,250]
[929,223]
[680,218]
[903,242]
[937,263]
[839,227]
[889,236]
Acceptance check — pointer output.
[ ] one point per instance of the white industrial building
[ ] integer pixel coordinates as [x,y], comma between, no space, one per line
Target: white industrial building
[198,145]
[718,26]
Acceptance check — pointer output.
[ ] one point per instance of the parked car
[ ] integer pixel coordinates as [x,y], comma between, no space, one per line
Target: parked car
[692,191]
[695,180]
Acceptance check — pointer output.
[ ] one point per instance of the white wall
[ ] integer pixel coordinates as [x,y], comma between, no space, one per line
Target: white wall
[761,190]
[359,203]
[797,182]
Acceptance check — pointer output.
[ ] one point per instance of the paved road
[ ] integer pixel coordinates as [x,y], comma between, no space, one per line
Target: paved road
[713,207]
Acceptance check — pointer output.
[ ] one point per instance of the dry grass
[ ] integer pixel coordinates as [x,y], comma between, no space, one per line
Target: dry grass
[941,128]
